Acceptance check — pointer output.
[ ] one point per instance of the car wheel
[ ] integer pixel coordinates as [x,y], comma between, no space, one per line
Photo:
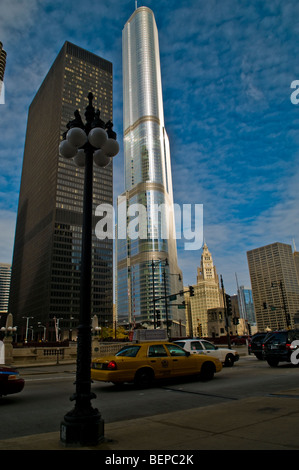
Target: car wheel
[229,360]
[273,362]
[207,371]
[144,378]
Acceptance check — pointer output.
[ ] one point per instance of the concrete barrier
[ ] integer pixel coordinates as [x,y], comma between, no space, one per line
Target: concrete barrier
[19,356]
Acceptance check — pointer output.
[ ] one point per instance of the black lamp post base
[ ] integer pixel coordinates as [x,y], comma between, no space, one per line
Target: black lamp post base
[82,430]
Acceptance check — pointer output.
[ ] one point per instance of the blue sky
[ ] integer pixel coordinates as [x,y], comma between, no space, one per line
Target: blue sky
[227,68]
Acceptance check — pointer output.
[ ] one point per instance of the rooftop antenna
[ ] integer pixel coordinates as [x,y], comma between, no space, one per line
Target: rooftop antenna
[294,245]
[136,5]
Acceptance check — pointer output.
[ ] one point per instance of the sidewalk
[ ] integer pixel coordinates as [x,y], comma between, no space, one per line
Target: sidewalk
[260,423]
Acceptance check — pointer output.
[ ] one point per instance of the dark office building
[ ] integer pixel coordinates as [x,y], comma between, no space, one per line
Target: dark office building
[47,253]
[275,288]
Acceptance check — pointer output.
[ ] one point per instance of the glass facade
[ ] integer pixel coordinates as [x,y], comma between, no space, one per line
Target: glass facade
[47,252]
[144,154]
[246,306]
[149,238]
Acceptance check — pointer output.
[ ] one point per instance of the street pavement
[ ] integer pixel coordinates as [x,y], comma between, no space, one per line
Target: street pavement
[256,423]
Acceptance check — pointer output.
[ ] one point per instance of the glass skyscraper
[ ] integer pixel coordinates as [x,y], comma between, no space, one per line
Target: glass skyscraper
[144,278]
[246,306]
[47,253]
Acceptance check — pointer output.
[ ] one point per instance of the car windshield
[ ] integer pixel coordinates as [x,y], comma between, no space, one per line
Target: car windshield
[175,350]
[279,337]
[128,351]
[268,336]
[258,338]
[208,345]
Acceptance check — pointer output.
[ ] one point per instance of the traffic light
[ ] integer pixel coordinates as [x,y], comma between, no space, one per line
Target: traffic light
[228,305]
[191,291]
[199,329]
[158,318]
[265,305]
[236,321]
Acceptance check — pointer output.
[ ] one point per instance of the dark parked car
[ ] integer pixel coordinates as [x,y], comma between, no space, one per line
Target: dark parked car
[279,346]
[10,381]
[255,345]
[240,340]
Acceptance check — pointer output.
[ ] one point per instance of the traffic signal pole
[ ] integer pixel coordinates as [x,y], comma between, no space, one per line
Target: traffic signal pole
[226,314]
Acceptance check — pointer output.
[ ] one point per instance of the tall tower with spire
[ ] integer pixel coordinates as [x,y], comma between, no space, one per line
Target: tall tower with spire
[207,295]
[207,270]
[147,266]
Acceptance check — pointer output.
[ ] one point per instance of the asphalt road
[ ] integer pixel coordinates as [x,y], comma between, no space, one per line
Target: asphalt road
[41,406]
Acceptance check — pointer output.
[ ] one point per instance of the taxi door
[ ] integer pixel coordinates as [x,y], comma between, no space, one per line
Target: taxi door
[182,363]
[159,360]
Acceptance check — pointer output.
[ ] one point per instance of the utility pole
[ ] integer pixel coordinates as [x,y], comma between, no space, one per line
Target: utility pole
[226,314]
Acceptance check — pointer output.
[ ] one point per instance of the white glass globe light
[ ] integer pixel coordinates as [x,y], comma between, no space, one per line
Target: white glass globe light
[111,148]
[97,137]
[100,159]
[76,137]
[67,150]
[79,159]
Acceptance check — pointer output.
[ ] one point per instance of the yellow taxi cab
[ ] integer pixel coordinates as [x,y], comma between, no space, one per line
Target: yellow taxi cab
[144,362]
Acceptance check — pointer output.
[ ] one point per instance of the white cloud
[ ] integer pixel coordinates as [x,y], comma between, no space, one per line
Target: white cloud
[16,16]
[226,78]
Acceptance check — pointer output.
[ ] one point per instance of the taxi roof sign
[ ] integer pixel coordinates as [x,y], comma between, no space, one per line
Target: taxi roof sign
[150,335]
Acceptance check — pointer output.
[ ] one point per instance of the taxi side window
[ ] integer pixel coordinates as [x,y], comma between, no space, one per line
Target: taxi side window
[130,351]
[175,350]
[156,351]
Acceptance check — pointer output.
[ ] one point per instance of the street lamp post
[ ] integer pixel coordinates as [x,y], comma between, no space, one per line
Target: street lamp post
[31,328]
[27,326]
[287,315]
[45,329]
[165,294]
[95,142]
[166,306]
[154,295]
[56,323]
[226,314]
